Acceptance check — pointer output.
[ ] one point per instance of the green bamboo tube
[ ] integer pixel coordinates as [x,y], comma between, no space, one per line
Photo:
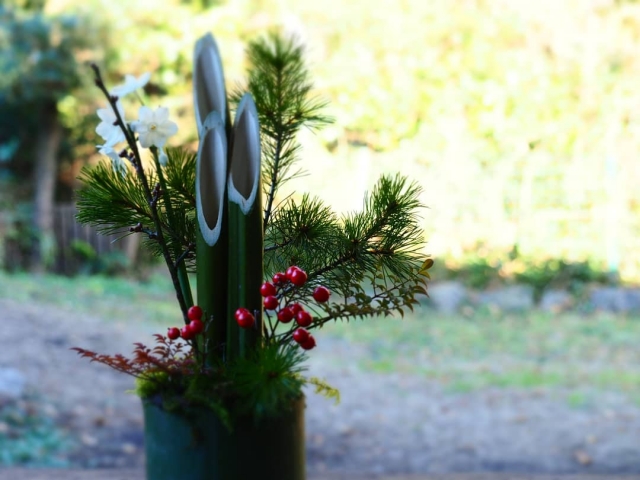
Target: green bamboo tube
[246,242]
[211,244]
[196,445]
[210,106]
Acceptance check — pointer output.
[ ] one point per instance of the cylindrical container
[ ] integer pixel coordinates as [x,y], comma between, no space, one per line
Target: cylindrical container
[197,446]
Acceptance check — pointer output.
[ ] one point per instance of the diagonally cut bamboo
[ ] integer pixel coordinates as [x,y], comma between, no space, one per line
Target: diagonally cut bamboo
[245,228]
[209,92]
[211,244]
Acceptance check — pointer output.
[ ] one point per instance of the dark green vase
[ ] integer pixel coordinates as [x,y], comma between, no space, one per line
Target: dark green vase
[197,446]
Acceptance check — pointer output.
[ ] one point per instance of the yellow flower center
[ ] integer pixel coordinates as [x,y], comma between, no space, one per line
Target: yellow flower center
[153,127]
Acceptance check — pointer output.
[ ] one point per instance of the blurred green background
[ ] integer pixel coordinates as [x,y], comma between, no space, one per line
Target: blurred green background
[519,119]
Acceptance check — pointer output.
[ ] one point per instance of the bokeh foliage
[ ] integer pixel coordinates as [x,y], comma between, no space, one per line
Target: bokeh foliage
[519,118]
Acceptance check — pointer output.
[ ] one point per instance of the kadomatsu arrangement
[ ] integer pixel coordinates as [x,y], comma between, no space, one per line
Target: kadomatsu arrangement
[222,390]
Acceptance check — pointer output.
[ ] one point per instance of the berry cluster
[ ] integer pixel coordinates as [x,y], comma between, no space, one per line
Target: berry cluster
[193,328]
[285,314]
[273,292]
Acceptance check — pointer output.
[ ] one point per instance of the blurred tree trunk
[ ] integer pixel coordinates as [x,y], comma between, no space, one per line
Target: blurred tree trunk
[47,143]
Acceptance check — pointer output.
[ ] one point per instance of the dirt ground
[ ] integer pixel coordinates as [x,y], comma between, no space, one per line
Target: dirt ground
[385,424]
[31,474]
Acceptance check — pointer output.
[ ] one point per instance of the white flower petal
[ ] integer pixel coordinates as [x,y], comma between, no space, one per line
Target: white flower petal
[131,84]
[144,79]
[154,127]
[167,129]
[116,136]
[105,114]
[145,139]
[105,149]
[162,114]
[107,129]
[145,114]
[159,140]
[104,130]
[117,163]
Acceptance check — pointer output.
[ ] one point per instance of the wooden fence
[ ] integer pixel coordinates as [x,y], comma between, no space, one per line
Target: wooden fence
[70,236]
[76,246]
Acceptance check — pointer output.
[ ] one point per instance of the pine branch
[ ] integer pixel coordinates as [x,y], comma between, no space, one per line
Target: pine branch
[268,379]
[181,176]
[340,254]
[296,228]
[113,204]
[109,201]
[280,85]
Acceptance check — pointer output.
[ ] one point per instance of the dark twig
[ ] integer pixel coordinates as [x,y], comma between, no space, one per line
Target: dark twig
[137,163]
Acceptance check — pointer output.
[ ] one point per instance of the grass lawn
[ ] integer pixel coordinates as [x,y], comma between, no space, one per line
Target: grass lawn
[535,349]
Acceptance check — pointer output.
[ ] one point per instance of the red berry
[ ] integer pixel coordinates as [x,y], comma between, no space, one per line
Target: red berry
[304,318]
[194,313]
[285,315]
[295,308]
[309,343]
[241,312]
[298,277]
[300,335]
[186,333]
[196,326]
[245,319]
[271,302]
[267,289]
[290,271]
[279,278]
[173,333]
[321,294]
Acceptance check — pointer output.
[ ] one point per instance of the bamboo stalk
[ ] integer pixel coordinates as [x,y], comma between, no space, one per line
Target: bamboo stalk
[211,244]
[245,229]
[210,105]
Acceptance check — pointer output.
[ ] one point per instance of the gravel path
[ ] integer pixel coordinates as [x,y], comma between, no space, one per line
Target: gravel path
[389,424]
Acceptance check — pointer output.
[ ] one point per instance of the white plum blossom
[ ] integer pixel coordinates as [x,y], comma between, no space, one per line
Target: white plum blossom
[131,84]
[154,127]
[107,128]
[116,160]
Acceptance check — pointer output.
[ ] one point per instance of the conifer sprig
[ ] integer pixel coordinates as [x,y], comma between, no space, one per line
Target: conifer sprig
[268,378]
[280,85]
[111,202]
[341,253]
[180,173]
[116,204]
